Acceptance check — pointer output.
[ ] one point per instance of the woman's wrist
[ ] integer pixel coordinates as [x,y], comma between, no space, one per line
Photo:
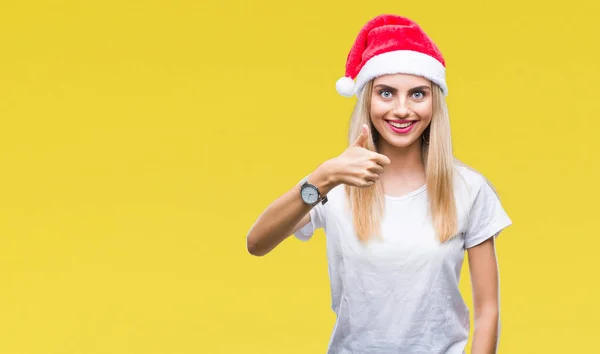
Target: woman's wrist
[324,177]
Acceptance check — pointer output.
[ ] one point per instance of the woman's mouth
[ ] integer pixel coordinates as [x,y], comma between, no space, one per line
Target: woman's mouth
[401,127]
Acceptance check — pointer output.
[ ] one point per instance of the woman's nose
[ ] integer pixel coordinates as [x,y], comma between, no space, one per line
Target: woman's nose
[401,110]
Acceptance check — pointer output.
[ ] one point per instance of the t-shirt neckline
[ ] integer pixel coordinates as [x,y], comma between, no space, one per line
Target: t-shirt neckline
[408,195]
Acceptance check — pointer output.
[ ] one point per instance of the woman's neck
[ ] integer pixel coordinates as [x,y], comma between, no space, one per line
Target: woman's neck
[406,172]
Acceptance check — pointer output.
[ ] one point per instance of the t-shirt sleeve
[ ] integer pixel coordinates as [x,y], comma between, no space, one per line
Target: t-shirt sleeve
[486,218]
[316,222]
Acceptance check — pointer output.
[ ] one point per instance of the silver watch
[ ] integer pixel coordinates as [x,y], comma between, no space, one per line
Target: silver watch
[310,194]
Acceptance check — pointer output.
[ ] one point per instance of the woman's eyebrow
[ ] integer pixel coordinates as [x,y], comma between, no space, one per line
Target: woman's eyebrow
[389,88]
[424,87]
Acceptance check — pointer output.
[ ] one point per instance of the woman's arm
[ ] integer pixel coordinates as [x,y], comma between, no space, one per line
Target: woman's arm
[356,166]
[285,215]
[484,279]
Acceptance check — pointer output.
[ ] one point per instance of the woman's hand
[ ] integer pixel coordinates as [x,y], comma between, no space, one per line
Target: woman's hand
[358,166]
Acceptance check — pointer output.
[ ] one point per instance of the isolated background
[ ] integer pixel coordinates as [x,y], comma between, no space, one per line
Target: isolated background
[139,141]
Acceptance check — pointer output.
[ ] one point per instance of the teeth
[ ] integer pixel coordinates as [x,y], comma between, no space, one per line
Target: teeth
[401,125]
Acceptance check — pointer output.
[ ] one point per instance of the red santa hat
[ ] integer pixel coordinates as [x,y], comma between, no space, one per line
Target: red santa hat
[390,44]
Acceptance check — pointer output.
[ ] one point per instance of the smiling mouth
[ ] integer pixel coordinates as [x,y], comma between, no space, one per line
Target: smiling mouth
[402,125]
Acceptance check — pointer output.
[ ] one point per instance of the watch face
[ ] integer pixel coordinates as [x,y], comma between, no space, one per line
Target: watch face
[309,194]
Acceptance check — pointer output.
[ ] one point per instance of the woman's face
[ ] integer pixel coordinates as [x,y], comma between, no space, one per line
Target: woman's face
[401,108]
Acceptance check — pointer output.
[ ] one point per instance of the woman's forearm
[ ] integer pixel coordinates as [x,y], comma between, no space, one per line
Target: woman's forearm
[486,334]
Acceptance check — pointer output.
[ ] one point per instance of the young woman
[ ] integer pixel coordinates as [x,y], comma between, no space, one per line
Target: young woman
[398,210]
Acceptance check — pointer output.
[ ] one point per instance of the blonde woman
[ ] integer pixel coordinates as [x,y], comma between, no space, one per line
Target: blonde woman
[398,210]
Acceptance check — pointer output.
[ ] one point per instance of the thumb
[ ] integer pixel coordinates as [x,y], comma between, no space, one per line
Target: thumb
[361,141]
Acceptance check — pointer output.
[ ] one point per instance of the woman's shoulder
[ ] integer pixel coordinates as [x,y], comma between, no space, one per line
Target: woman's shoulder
[469,174]
[469,180]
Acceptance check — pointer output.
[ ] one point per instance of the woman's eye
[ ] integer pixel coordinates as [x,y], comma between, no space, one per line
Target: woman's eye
[418,95]
[386,94]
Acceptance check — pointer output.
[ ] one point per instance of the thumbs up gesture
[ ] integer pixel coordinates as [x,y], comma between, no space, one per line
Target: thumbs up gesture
[358,166]
[362,139]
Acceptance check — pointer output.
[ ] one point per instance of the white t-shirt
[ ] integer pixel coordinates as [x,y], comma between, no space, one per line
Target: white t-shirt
[400,294]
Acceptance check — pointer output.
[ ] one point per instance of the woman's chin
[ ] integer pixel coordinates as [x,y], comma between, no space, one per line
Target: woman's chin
[401,141]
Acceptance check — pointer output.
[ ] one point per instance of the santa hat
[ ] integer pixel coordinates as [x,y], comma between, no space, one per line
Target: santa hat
[390,44]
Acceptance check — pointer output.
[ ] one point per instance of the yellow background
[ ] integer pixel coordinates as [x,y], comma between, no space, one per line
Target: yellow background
[141,139]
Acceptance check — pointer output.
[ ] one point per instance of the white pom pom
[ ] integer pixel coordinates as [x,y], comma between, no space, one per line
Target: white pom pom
[345,86]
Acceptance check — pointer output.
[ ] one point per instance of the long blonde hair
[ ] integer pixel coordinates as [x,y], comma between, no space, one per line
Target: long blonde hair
[368,204]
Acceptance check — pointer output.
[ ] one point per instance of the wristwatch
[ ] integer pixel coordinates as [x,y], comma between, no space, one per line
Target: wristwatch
[310,194]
